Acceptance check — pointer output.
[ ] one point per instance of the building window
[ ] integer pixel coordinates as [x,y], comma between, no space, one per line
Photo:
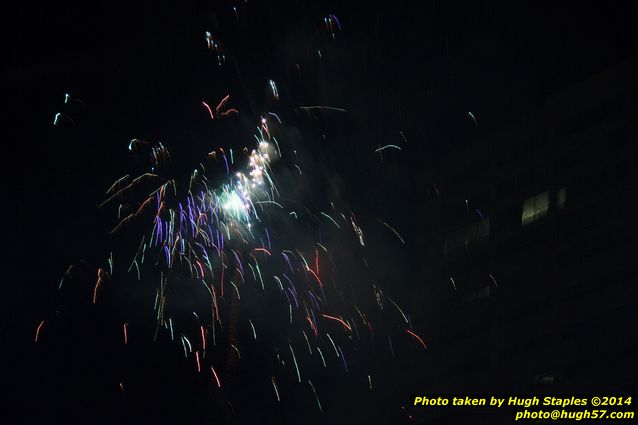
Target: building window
[454,240]
[478,294]
[535,208]
[561,198]
[544,379]
[477,230]
[460,239]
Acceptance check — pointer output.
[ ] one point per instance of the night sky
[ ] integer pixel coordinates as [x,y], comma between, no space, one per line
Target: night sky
[141,70]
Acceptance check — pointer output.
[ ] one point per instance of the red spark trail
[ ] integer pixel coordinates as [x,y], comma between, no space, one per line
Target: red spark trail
[338,319]
[97,284]
[212,117]
[312,325]
[219,384]
[315,275]
[201,268]
[417,337]
[37,331]
[100,273]
[201,328]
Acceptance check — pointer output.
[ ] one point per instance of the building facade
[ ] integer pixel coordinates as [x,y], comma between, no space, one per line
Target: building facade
[532,266]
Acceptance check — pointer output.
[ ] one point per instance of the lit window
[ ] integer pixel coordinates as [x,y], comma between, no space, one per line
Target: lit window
[561,198]
[535,208]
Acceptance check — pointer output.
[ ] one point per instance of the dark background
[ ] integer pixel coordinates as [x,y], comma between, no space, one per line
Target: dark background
[142,69]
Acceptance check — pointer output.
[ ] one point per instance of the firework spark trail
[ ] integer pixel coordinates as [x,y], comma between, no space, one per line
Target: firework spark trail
[316,396]
[201,328]
[273,89]
[119,182]
[316,107]
[417,337]
[66,273]
[274,385]
[343,358]
[295,361]
[190,347]
[184,345]
[398,308]
[236,350]
[331,219]
[391,347]
[100,279]
[323,360]
[382,148]
[392,229]
[37,331]
[219,384]
[338,319]
[333,344]
[276,116]
[315,276]
[471,115]
[253,329]
[210,111]
[59,116]
[199,365]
